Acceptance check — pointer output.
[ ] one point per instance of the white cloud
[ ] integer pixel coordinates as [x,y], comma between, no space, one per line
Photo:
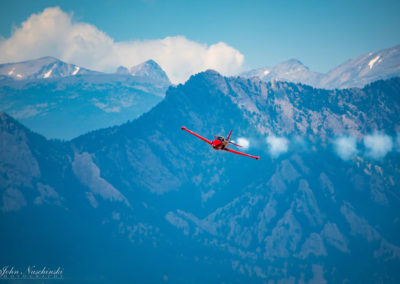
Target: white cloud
[378,145]
[277,145]
[55,33]
[243,142]
[346,147]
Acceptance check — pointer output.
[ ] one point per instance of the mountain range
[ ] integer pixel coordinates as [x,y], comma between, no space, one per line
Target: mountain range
[146,202]
[42,68]
[61,100]
[358,72]
[47,93]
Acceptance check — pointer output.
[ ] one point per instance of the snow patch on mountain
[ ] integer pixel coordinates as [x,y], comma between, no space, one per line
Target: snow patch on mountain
[372,62]
[77,68]
[47,74]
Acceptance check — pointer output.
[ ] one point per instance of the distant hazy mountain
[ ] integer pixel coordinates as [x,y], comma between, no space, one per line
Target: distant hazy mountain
[290,71]
[122,70]
[151,70]
[367,68]
[148,70]
[61,100]
[357,72]
[42,68]
[145,191]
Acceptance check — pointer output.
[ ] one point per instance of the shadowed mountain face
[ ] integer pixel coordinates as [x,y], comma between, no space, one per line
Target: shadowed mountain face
[164,206]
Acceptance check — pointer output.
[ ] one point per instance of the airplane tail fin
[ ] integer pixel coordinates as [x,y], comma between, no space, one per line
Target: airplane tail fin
[229,136]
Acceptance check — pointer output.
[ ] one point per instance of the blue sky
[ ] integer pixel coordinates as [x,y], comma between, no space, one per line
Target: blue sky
[321,34]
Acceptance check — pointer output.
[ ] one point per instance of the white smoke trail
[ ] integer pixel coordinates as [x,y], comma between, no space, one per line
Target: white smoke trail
[277,145]
[378,145]
[245,143]
[346,147]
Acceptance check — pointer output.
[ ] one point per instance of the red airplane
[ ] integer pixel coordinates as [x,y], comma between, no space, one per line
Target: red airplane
[220,143]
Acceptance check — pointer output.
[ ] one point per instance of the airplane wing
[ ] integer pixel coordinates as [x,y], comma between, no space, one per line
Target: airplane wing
[198,136]
[240,153]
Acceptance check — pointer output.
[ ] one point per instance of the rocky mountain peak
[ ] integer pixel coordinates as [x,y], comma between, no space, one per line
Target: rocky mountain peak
[150,70]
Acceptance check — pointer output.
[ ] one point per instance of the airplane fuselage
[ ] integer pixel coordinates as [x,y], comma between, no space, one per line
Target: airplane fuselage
[219,143]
